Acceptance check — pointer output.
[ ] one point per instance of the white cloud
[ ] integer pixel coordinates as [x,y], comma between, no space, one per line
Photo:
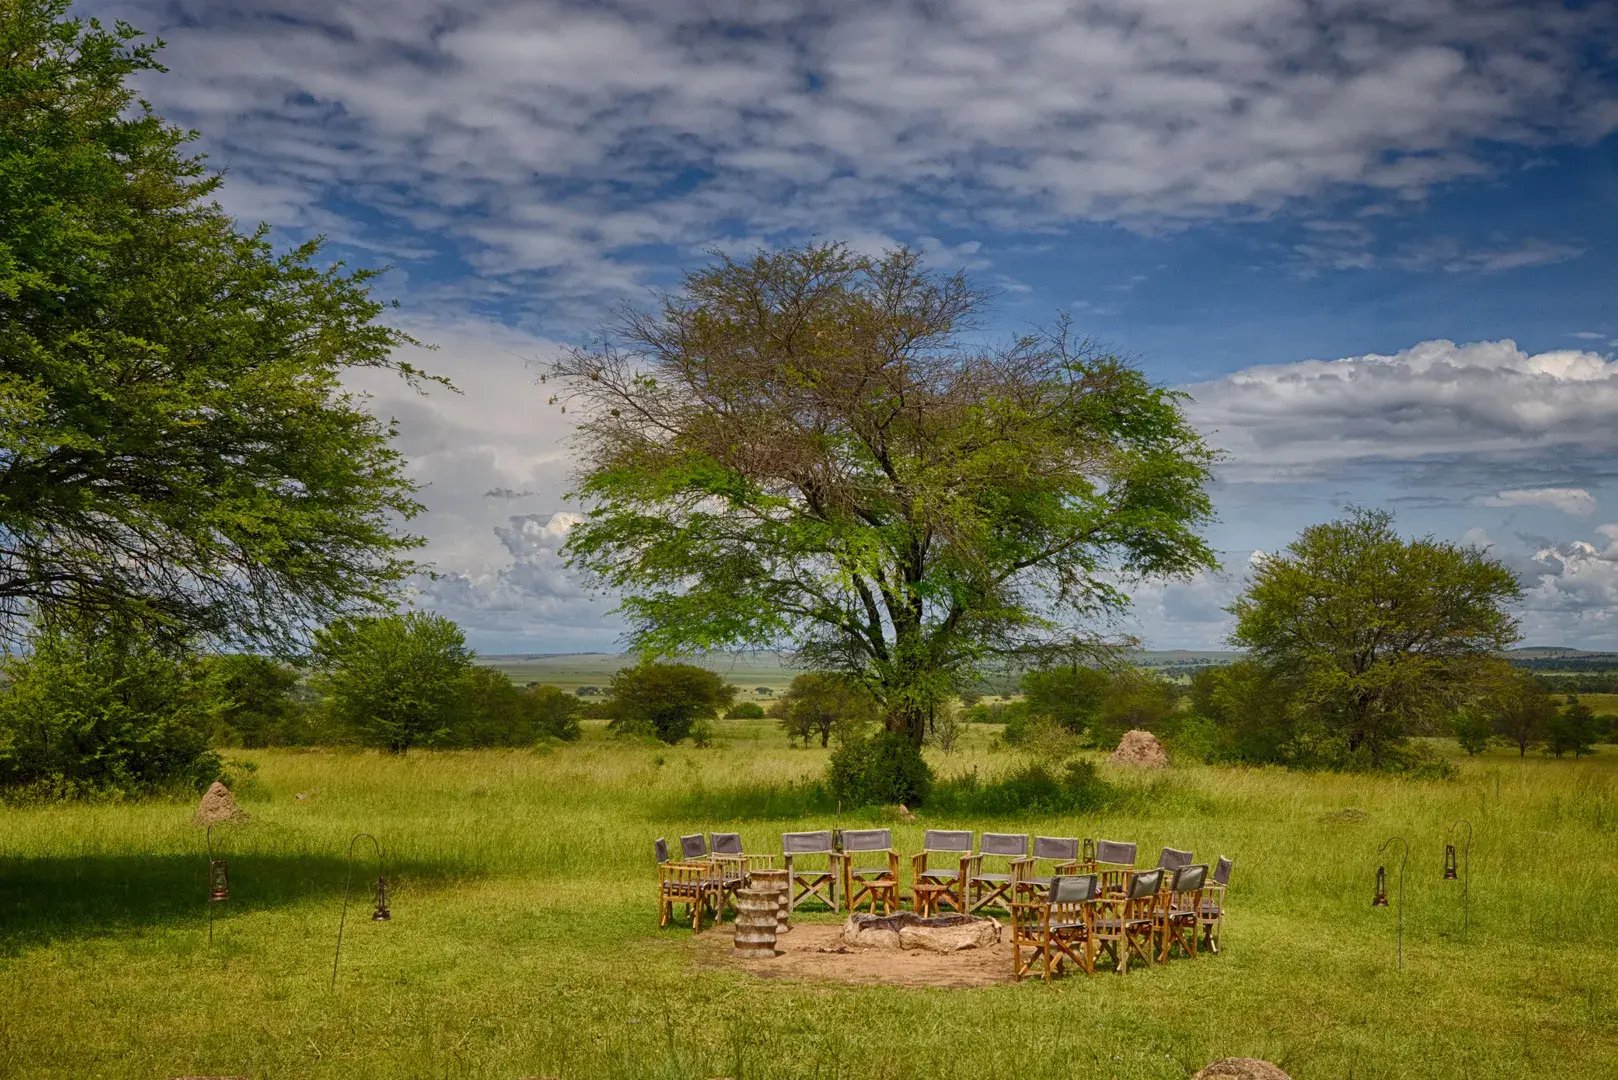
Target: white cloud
[1575,501]
[1487,399]
[563,139]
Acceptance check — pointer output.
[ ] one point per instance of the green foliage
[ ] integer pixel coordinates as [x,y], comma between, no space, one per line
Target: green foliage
[1520,708]
[746,710]
[259,705]
[1572,729]
[665,700]
[180,447]
[1473,729]
[556,712]
[1249,708]
[396,681]
[998,712]
[1070,696]
[1133,699]
[1035,788]
[104,710]
[881,769]
[1373,637]
[825,704]
[813,447]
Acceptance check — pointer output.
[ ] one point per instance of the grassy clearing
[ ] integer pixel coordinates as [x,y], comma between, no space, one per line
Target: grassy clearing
[524,938]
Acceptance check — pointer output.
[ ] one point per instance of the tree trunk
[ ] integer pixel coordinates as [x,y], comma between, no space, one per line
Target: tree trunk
[909,719]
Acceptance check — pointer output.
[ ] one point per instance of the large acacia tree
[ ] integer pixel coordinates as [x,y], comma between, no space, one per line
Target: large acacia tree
[818,449]
[1374,637]
[177,448]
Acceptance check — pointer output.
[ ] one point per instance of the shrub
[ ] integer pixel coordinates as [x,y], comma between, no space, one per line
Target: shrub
[556,712]
[1071,696]
[826,704]
[258,706]
[102,710]
[746,710]
[880,769]
[1473,729]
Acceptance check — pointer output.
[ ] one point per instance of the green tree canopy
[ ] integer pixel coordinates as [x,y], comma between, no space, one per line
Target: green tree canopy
[1070,695]
[176,445]
[259,706]
[394,681]
[665,699]
[813,449]
[1520,707]
[102,708]
[1375,636]
[1572,729]
[823,703]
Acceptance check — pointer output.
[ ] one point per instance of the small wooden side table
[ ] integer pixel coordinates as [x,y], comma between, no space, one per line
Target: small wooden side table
[885,891]
[928,897]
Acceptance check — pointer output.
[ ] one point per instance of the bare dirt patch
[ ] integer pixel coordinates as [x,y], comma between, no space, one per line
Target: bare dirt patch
[814,952]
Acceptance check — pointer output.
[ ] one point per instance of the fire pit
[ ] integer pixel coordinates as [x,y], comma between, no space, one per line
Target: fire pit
[907,930]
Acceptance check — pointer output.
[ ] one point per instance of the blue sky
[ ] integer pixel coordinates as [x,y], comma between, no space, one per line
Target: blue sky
[1375,239]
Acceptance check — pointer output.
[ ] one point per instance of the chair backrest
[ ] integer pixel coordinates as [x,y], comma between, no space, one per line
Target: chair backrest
[950,840]
[661,846]
[726,843]
[1057,848]
[1111,851]
[806,843]
[694,846]
[1190,879]
[867,839]
[1145,883]
[1073,889]
[999,843]
[1173,858]
[1221,874]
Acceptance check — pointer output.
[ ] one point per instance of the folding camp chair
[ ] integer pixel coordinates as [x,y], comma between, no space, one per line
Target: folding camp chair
[870,868]
[985,887]
[951,846]
[1056,927]
[1115,864]
[1178,914]
[1123,925]
[806,881]
[1211,913]
[726,848]
[1060,856]
[697,885]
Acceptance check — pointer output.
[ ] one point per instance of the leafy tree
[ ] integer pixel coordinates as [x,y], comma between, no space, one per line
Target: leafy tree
[1473,729]
[1134,699]
[97,708]
[395,681]
[666,699]
[1572,729]
[259,706]
[556,711]
[1070,696]
[812,449]
[1250,709]
[824,703]
[1521,708]
[588,691]
[1375,636]
[746,710]
[179,447]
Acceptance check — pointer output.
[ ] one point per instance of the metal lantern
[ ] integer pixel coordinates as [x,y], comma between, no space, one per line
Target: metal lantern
[381,914]
[1450,870]
[1381,898]
[1089,850]
[1461,868]
[218,880]
[1382,889]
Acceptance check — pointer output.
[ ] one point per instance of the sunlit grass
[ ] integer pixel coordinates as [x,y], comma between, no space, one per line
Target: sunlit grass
[524,937]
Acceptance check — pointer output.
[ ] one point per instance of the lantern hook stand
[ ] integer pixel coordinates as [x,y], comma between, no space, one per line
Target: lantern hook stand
[1382,898]
[218,882]
[1465,869]
[381,914]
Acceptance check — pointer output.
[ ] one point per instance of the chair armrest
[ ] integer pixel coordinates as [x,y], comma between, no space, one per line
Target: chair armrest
[1068,868]
[918,865]
[971,866]
[1020,868]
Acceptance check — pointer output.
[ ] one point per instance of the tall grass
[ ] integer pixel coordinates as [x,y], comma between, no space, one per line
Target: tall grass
[524,937]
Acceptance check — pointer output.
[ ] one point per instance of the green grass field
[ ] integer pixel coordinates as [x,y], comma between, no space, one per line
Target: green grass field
[524,939]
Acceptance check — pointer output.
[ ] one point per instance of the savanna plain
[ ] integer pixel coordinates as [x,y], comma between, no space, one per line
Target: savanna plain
[524,938]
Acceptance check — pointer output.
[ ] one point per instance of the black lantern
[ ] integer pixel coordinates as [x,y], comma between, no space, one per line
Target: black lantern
[1381,898]
[218,880]
[1461,868]
[381,914]
[1451,872]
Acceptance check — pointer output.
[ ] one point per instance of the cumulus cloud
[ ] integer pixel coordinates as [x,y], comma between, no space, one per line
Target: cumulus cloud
[1575,501]
[567,140]
[1488,399]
